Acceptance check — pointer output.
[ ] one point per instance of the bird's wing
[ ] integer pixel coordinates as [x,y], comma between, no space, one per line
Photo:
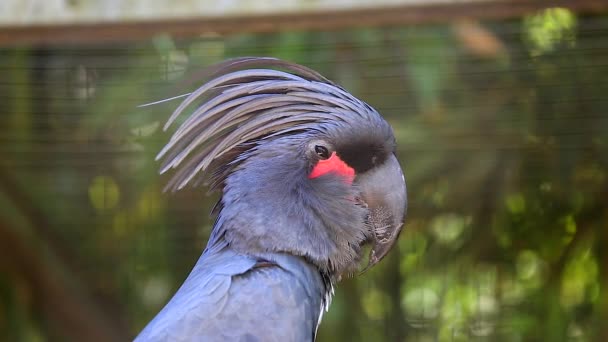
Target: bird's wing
[233,297]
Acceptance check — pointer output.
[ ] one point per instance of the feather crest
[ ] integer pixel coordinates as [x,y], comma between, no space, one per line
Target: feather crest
[242,107]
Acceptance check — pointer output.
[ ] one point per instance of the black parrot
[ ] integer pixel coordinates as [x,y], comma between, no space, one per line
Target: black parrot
[308,176]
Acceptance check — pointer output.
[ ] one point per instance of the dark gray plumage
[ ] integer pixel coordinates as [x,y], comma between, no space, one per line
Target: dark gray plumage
[235,297]
[283,236]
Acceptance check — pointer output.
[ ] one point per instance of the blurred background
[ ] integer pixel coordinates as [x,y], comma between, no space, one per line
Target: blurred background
[500,114]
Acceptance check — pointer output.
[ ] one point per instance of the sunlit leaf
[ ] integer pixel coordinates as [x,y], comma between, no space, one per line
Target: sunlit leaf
[103,193]
[549,28]
[421,306]
[579,281]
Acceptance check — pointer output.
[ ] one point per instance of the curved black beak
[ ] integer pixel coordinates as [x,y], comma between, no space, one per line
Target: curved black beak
[383,190]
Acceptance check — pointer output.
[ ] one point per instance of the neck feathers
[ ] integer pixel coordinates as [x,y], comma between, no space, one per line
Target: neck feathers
[270,205]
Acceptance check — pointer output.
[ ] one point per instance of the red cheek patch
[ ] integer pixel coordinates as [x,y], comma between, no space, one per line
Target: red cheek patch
[333,164]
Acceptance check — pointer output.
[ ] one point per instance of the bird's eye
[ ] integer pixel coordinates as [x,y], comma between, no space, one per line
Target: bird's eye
[322,151]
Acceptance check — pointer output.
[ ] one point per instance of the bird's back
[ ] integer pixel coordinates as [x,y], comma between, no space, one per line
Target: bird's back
[234,297]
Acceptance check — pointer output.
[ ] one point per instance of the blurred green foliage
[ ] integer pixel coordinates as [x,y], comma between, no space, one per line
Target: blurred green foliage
[502,134]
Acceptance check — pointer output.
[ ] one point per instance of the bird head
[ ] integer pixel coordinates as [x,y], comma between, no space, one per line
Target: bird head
[304,167]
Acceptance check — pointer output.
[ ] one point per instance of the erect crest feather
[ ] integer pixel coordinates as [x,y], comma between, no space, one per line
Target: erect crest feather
[246,101]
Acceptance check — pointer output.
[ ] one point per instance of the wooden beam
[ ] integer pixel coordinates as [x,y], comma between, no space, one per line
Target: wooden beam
[334,19]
